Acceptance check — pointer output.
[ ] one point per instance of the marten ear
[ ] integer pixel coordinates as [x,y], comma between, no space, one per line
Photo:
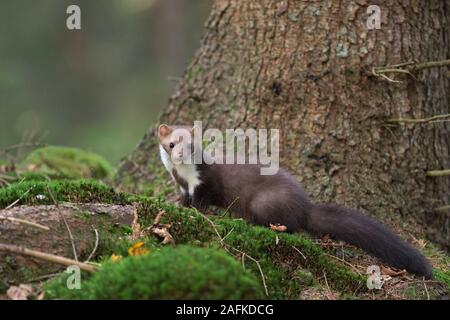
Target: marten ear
[163,131]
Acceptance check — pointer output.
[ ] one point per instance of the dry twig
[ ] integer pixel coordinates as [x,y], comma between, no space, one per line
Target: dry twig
[346,262]
[26,222]
[295,248]
[407,68]
[72,240]
[47,257]
[438,173]
[17,201]
[97,239]
[424,120]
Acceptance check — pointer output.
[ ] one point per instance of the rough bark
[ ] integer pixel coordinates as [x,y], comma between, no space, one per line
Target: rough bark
[305,67]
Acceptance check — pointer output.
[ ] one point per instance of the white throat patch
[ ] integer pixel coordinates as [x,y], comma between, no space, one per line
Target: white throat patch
[188,172]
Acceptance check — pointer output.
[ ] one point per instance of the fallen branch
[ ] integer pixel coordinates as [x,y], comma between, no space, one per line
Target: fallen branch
[47,257]
[438,173]
[26,222]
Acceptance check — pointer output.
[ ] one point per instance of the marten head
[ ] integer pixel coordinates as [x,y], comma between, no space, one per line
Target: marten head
[177,141]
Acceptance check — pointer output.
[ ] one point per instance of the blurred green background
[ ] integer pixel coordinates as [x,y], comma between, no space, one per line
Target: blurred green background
[99,88]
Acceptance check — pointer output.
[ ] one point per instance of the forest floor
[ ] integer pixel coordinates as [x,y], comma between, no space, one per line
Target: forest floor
[60,202]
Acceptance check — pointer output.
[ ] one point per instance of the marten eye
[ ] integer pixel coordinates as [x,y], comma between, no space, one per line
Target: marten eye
[171,145]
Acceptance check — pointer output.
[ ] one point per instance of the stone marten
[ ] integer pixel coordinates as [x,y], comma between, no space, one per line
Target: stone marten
[279,199]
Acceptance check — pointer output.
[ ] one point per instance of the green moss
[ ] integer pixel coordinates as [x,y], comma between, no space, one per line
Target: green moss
[441,261]
[183,272]
[11,274]
[286,271]
[410,293]
[443,276]
[281,263]
[62,190]
[66,162]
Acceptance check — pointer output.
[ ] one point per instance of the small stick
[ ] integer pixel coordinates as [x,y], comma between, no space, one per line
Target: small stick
[438,173]
[47,257]
[72,240]
[259,267]
[26,222]
[17,201]
[226,236]
[407,68]
[295,248]
[326,282]
[228,208]
[426,289]
[212,224]
[429,64]
[443,208]
[45,276]
[424,120]
[20,146]
[97,238]
[347,263]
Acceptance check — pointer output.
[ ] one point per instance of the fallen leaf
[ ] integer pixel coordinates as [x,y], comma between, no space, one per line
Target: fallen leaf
[391,272]
[116,257]
[137,249]
[22,292]
[277,227]
[163,232]
[158,217]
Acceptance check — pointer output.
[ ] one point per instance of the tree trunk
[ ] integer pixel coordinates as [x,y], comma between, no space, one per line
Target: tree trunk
[305,67]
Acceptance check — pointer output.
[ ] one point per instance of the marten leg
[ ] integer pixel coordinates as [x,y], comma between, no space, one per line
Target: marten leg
[186,199]
[199,202]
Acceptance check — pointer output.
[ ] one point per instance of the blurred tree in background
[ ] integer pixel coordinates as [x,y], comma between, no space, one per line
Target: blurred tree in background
[99,88]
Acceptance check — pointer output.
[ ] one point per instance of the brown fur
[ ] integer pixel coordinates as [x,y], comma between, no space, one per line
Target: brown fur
[280,199]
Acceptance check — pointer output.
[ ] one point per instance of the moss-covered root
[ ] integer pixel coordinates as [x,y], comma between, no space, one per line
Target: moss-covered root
[66,162]
[287,272]
[36,192]
[182,272]
[95,228]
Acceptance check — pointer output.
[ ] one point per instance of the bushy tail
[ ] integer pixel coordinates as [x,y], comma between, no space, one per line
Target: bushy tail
[368,234]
